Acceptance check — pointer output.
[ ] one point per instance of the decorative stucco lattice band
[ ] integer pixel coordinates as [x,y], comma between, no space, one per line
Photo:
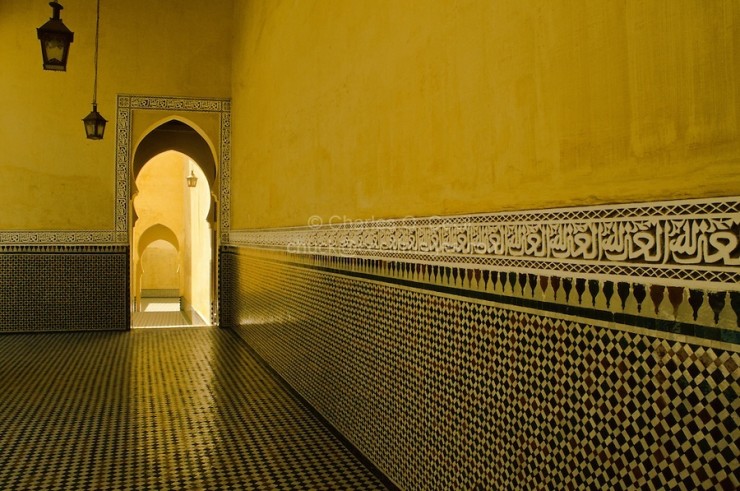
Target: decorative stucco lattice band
[74,238]
[690,243]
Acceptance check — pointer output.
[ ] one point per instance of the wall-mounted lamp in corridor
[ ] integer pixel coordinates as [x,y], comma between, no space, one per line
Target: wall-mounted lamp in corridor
[55,40]
[94,122]
[192,180]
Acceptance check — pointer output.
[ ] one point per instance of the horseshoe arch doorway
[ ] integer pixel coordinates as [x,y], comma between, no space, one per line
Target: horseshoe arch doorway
[174,227]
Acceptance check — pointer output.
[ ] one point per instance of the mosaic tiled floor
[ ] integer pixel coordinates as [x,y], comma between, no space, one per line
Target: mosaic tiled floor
[165,319]
[175,409]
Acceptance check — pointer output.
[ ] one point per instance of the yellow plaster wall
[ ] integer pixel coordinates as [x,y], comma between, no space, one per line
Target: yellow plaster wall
[198,264]
[159,265]
[385,108]
[161,201]
[51,177]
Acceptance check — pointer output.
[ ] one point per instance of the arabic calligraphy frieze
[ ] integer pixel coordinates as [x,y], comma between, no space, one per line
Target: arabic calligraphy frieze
[175,103]
[711,239]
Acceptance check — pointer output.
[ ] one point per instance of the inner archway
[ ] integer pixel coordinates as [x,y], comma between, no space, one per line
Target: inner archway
[159,277]
[156,281]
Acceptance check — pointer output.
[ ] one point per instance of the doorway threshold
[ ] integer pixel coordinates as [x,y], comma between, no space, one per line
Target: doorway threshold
[165,319]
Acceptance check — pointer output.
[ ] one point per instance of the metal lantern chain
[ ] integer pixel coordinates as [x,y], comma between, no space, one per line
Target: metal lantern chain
[94,122]
[97,30]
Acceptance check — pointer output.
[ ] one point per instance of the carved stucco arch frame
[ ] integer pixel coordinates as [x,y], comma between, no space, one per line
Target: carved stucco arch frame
[125,107]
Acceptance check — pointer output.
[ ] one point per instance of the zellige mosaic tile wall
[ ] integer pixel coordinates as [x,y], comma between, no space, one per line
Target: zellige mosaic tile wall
[64,288]
[471,373]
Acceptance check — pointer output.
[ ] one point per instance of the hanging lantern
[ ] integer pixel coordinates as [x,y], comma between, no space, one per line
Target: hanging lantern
[192,180]
[55,40]
[94,124]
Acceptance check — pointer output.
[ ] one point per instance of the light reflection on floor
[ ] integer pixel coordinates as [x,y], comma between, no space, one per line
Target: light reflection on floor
[160,304]
[176,409]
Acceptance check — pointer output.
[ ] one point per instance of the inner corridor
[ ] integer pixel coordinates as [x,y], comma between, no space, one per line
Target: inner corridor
[178,409]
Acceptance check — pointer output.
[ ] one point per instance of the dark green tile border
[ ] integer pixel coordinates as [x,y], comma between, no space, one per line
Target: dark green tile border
[660,325]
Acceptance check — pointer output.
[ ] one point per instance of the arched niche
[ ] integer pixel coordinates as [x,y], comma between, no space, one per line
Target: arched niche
[157,232]
[161,272]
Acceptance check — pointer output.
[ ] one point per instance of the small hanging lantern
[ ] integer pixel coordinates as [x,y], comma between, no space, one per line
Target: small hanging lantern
[55,40]
[192,180]
[94,124]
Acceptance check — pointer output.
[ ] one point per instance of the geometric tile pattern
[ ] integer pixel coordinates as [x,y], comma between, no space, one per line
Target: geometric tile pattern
[164,319]
[676,311]
[174,409]
[56,237]
[444,391]
[62,290]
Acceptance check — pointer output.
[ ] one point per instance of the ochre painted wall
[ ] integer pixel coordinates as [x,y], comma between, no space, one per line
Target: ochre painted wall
[161,201]
[52,177]
[198,261]
[160,267]
[355,109]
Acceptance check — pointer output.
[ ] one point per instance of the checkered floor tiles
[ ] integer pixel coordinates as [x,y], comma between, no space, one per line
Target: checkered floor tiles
[169,409]
[165,319]
[159,319]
